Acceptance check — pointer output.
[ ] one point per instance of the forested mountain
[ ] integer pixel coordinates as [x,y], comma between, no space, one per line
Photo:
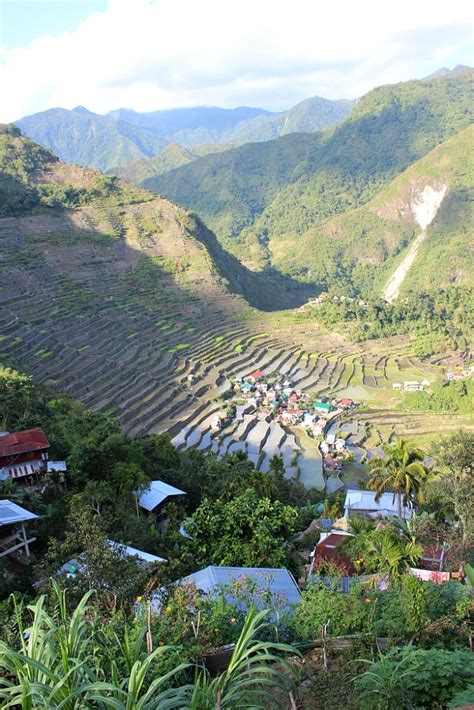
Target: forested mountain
[110,141]
[356,251]
[85,138]
[173,156]
[279,189]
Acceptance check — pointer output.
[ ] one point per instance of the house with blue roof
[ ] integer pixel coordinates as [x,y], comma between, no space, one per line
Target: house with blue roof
[261,586]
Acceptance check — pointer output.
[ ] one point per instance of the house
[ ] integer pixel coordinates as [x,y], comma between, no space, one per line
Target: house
[13,537]
[412,386]
[457,375]
[254,376]
[325,407]
[346,403]
[247,387]
[71,568]
[157,493]
[280,583]
[340,445]
[23,454]
[396,386]
[326,550]
[360,502]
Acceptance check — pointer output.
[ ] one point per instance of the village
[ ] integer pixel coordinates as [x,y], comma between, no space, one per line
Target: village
[277,418]
[24,461]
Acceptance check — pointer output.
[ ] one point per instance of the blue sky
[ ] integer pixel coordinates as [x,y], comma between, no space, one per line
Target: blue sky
[24,20]
[155,54]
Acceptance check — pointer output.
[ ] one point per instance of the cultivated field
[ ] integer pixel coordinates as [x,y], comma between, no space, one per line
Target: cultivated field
[121,308]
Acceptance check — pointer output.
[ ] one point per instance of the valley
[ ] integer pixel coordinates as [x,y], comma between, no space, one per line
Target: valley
[127,303]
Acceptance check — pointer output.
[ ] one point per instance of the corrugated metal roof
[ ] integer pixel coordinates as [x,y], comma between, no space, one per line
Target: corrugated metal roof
[22,442]
[133,552]
[365,501]
[156,493]
[11,513]
[280,582]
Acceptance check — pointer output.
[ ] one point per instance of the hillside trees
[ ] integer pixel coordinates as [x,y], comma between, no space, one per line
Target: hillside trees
[455,458]
[246,531]
[401,471]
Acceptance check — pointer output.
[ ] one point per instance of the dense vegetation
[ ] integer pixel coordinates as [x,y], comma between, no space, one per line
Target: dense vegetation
[256,196]
[440,320]
[111,646]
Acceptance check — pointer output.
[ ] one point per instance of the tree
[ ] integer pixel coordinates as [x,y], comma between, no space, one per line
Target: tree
[246,531]
[401,472]
[455,458]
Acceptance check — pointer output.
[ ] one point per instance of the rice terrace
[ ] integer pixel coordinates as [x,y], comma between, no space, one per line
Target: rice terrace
[119,305]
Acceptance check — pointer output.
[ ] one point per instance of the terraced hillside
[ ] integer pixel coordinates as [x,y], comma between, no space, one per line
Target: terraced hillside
[124,301]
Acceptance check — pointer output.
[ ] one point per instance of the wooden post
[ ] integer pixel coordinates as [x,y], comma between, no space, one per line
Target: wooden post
[25,539]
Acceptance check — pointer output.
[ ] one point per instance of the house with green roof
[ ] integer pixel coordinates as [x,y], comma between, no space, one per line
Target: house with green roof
[323,407]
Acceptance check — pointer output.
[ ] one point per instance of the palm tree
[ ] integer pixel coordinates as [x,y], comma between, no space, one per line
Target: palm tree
[401,472]
[393,557]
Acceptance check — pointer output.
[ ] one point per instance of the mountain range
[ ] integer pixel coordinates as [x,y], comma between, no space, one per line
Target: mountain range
[289,217]
[262,200]
[121,136]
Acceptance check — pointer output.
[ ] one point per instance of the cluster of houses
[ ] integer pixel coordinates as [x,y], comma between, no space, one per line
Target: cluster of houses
[289,405]
[363,503]
[24,456]
[23,459]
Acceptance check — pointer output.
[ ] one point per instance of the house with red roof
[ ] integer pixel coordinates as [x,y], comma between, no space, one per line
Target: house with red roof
[23,454]
[254,376]
[328,550]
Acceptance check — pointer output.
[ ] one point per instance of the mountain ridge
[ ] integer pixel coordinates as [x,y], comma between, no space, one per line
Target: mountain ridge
[112,140]
[281,188]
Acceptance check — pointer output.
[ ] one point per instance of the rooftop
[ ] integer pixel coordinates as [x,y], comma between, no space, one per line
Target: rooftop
[278,581]
[156,493]
[11,513]
[22,442]
[365,501]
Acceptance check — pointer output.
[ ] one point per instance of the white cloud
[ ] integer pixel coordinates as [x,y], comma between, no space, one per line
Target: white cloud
[151,54]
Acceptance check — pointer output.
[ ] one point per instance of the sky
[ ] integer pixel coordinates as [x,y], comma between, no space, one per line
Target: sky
[156,54]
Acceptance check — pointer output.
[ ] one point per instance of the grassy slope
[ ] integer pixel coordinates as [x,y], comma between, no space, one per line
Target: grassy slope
[281,188]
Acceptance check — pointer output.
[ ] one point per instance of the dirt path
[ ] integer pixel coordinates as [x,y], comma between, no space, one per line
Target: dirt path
[424,210]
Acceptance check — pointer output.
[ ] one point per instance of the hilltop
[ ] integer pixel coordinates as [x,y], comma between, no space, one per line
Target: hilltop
[173,156]
[122,136]
[281,188]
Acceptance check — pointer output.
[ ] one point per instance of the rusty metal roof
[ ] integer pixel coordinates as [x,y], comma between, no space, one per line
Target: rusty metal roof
[21,442]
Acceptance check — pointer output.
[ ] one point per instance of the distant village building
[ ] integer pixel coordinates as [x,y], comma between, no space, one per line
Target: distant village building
[13,537]
[23,455]
[254,376]
[412,386]
[325,407]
